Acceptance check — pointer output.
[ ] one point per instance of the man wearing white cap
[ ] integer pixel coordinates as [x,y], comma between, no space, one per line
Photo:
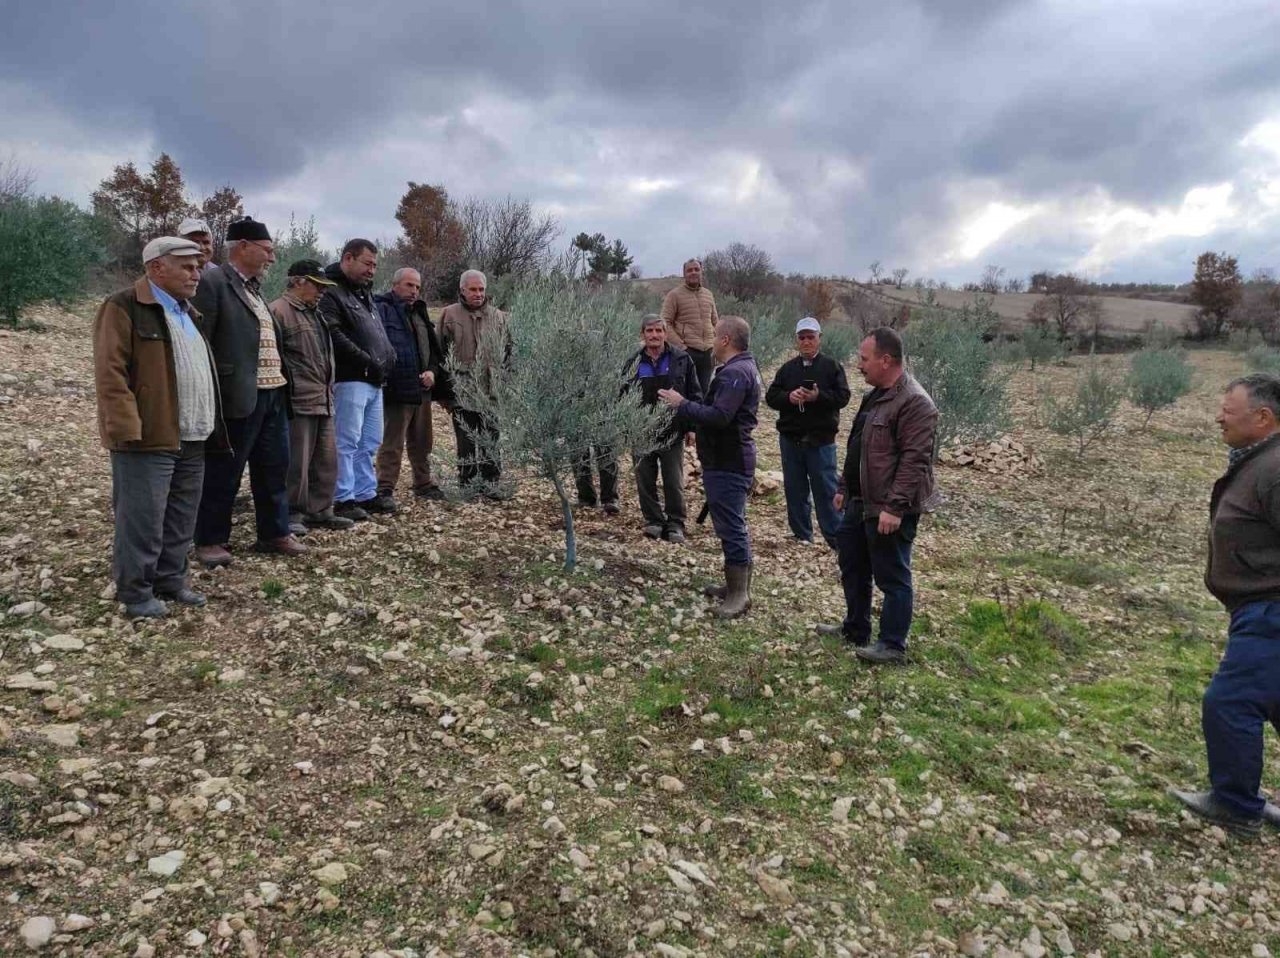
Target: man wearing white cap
[199,233]
[157,411]
[809,391]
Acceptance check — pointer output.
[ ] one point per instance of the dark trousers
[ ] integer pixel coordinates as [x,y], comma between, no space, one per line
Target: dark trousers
[704,365]
[405,424]
[866,556]
[727,498]
[1243,695]
[261,440]
[155,496]
[313,464]
[808,469]
[670,463]
[607,465]
[476,460]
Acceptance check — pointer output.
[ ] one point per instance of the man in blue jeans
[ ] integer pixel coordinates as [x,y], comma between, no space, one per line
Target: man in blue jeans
[809,391]
[725,426]
[887,482]
[1243,573]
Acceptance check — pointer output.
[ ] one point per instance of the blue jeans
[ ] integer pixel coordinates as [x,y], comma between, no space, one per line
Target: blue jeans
[260,440]
[727,497]
[866,556]
[808,469]
[1244,694]
[358,423]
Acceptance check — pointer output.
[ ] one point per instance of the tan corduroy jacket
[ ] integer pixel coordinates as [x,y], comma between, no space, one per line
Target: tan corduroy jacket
[691,317]
[463,331]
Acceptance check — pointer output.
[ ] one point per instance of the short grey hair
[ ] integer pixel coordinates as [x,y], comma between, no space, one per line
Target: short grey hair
[737,329]
[689,262]
[651,319]
[293,282]
[1263,389]
[399,274]
[472,274]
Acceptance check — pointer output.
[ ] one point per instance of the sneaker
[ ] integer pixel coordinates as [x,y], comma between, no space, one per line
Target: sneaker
[382,503]
[184,596]
[349,510]
[881,654]
[213,556]
[327,520]
[430,493]
[153,608]
[285,546]
[611,508]
[1206,806]
[653,532]
[803,542]
[675,536]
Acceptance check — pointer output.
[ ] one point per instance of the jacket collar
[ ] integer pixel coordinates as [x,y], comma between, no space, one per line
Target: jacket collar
[296,303]
[1257,448]
[904,382]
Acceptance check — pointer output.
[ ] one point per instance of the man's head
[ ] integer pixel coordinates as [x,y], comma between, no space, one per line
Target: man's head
[880,358]
[173,264]
[199,233]
[808,336]
[307,281]
[693,273]
[406,284]
[1250,410]
[732,336]
[359,261]
[249,247]
[471,286]
[654,332]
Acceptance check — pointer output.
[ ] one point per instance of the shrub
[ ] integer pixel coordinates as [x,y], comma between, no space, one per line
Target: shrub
[1263,359]
[839,341]
[1040,345]
[1089,414]
[1158,378]
[948,355]
[48,247]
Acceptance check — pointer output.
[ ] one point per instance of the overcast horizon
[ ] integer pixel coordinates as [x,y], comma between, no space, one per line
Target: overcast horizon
[1117,140]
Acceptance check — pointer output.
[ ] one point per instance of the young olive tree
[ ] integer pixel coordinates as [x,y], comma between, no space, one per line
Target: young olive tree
[1158,378]
[561,396]
[48,247]
[1090,413]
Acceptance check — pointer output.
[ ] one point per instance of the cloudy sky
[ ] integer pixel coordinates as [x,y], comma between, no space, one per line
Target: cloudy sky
[1118,138]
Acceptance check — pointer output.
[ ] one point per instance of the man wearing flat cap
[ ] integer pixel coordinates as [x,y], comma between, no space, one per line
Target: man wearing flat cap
[809,391]
[157,410]
[198,232]
[245,343]
[307,351]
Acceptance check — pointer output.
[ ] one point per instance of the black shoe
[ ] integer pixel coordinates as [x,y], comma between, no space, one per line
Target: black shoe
[431,493]
[382,504]
[349,510]
[1271,815]
[881,654]
[328,520]
[611,508]
[653,531]
[1205,805]
[184,596]
[674,536]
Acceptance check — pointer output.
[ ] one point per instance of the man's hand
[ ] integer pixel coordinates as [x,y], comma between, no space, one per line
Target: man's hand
[690,439]
[428,379]
[670,397]
[838,501]
[799,396]
[888,523]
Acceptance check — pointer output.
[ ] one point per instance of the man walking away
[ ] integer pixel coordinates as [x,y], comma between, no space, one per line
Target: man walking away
[1243,573]
[809,391]
[887,483]
[157,408]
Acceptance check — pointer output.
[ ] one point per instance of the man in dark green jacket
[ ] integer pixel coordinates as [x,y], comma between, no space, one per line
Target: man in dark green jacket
[1243,573]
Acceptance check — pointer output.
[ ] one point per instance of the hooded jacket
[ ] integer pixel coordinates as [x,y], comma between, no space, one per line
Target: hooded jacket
[361,350]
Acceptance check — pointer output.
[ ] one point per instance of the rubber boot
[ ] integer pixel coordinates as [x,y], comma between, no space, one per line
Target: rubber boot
[737,599]
[715,591]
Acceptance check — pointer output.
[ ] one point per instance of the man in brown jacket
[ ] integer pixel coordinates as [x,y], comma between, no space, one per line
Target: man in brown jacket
[158,404]
[307,351]
[887,483]
[475,333]
[690,313]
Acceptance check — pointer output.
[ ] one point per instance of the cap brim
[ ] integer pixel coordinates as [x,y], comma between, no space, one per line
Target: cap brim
[320,280]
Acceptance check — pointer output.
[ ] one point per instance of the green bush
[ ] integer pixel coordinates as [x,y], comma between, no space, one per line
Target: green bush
[1041,346]
[301,241]
[48,247]
[840,342]
[1090,413]
[1263,359]
[1158,378]
[949,356]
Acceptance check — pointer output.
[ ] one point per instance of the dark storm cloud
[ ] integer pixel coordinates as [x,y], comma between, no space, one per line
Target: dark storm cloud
[830,133]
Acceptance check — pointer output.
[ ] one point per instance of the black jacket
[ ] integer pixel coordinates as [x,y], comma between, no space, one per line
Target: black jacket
[231,326]
[361,351]
[417,348]
[816,423]
[682,376]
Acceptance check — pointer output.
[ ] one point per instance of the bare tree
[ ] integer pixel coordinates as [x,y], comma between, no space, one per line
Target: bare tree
[16,179]
[990,282]
[1067,307]
[740,270]
[876,270]
[1014,284]
[900,276]
[507,237]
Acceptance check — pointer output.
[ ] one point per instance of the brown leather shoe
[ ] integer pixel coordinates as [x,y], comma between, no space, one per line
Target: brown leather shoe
[285,546]
[213,556]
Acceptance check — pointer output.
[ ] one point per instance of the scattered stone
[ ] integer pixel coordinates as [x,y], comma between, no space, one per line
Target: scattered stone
[195,938]
[231,676]
[1120,931]
[64,643]
[63,736]
[695,872]
[269,891]
[37,931]
[334,873]
[840,809]
[669,783]
[166,864]
[24,609]
[74,922]
[778,889]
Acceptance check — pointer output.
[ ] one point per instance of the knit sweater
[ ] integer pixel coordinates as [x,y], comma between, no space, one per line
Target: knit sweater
[196,408]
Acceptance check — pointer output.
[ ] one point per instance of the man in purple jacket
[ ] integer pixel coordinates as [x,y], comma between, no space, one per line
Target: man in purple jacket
[727,450]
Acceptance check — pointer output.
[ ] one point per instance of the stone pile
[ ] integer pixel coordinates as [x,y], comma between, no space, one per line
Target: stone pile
[1003,456]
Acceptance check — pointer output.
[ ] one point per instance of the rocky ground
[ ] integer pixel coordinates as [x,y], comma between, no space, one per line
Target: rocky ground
[425,739]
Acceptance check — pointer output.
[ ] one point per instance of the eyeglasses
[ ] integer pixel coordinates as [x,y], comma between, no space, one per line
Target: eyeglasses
[269,248]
